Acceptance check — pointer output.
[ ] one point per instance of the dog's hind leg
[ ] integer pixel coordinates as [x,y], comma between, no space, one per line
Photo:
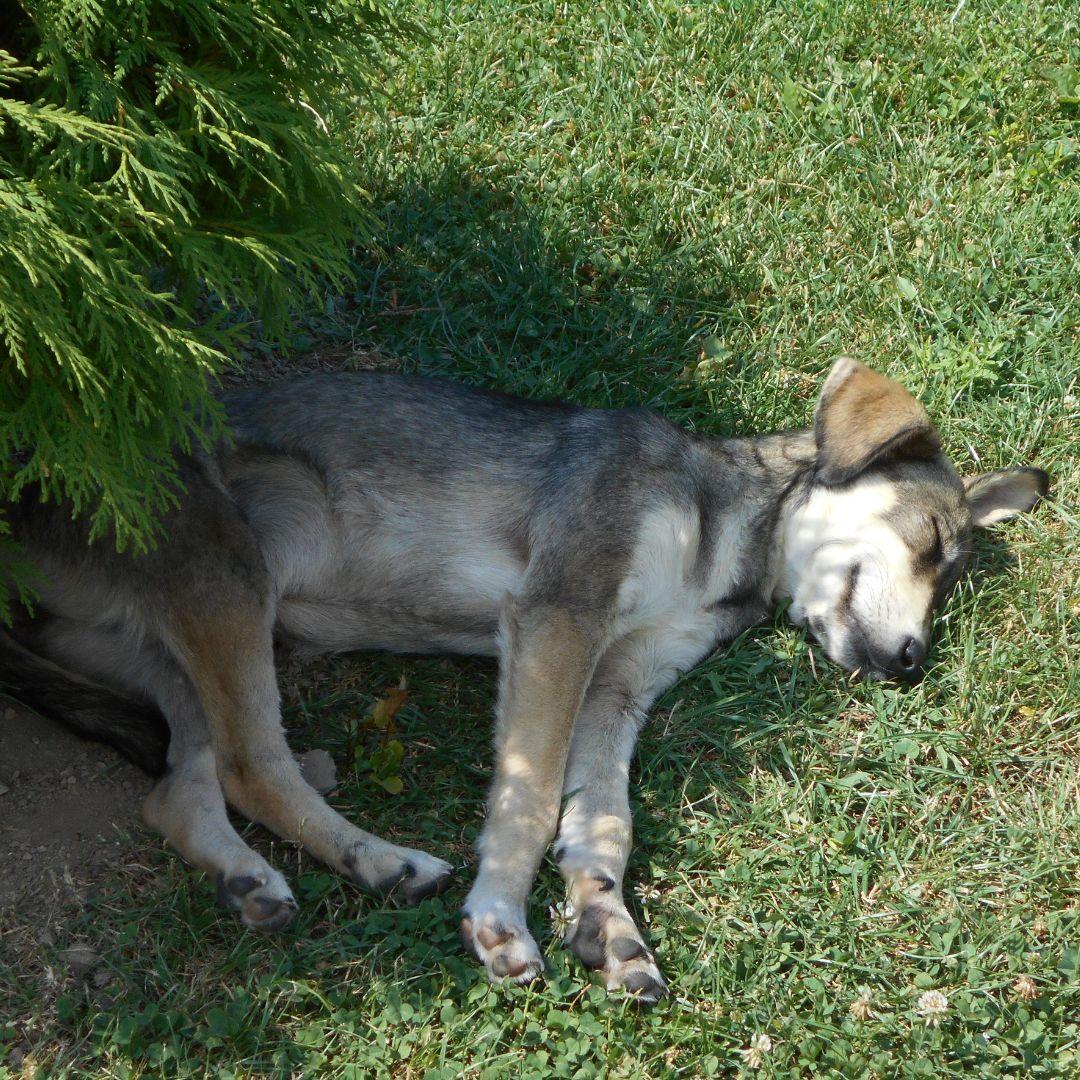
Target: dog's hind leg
[227,651]
[188,808]
[187,805]
[595,829]
[547,660]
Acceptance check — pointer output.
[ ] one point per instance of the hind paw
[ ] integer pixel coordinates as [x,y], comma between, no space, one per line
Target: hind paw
[262,899]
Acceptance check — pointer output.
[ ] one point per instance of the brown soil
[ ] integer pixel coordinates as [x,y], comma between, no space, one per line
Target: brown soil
[69,813]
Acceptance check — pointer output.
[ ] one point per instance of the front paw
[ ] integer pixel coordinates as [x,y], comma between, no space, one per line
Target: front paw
[605,939]
[503,944]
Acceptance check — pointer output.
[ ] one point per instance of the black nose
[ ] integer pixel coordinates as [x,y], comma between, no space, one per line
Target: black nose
[909,660]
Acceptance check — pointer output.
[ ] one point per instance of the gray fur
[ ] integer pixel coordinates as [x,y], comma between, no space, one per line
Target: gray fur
[596,553]
[375,467]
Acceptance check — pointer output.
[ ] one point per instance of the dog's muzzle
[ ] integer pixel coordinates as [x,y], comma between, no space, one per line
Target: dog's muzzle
[905,664]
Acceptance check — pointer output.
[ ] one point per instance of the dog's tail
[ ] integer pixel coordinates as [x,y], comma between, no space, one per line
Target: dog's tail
[135,727]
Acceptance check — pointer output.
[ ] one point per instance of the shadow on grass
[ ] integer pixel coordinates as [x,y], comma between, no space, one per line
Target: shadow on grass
[471,282]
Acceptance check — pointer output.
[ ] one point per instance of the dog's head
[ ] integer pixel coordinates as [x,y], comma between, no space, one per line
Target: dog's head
[882,532]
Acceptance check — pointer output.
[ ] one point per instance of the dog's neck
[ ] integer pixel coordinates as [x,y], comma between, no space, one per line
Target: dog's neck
[775,472]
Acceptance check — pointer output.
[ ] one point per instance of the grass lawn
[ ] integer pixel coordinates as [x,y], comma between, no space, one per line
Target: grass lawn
[696,206]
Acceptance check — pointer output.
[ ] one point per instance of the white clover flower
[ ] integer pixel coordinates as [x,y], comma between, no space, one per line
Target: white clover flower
[562,915]
[1025,988]
[932,1006]
[860,1007]
[647,893]
[754,1055]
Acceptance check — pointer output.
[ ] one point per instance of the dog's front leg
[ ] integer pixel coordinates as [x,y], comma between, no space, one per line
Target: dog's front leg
[547,659]
[595,831]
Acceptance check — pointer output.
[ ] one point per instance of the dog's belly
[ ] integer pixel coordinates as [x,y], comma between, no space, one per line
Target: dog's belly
[408,599]
[330,624]
[359,566]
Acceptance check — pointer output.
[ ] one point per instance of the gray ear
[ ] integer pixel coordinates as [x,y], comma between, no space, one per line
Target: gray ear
[862,417]
[997,496]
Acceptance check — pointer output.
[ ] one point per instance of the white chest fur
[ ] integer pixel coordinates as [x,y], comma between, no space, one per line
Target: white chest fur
[668,583]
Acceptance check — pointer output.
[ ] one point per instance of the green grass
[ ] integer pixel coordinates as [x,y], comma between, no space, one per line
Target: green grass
[697,206]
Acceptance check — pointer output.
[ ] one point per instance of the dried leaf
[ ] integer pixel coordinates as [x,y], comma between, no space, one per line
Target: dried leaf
[386,708]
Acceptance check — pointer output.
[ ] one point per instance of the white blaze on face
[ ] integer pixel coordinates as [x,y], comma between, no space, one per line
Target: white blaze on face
[840,540]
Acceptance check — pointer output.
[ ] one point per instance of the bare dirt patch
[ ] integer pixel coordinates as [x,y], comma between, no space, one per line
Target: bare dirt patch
[69,813]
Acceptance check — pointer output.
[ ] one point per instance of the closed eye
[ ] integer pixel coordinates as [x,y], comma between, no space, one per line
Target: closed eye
[933,554]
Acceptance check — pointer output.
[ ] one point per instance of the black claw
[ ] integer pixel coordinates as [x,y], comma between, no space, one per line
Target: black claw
[626,948]
[559,851]
[429,888]
[644,987]
[606,884]
[389,883]
[587,944]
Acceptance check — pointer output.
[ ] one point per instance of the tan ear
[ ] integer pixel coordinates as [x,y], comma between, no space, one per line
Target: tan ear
[862,417]
[997,496]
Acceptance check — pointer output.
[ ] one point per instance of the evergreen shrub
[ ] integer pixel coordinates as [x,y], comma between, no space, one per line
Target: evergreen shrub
[168,177]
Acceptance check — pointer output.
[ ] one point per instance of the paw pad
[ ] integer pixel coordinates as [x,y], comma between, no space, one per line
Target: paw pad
[507,952]
[264,903]
[604,939]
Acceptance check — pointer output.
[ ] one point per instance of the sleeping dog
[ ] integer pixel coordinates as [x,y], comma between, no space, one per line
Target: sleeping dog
[596,553]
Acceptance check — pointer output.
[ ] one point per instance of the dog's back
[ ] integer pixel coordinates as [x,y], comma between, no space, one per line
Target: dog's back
[387,511]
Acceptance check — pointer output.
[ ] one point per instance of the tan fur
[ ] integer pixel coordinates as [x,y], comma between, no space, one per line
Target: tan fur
[547,670]
[229,658]
[547,667]
[547,664]
[863,415]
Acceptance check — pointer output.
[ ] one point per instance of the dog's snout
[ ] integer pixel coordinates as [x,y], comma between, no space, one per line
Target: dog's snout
[909,660]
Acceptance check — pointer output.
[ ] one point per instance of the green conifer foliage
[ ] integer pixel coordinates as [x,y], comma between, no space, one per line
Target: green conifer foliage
[167,175]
